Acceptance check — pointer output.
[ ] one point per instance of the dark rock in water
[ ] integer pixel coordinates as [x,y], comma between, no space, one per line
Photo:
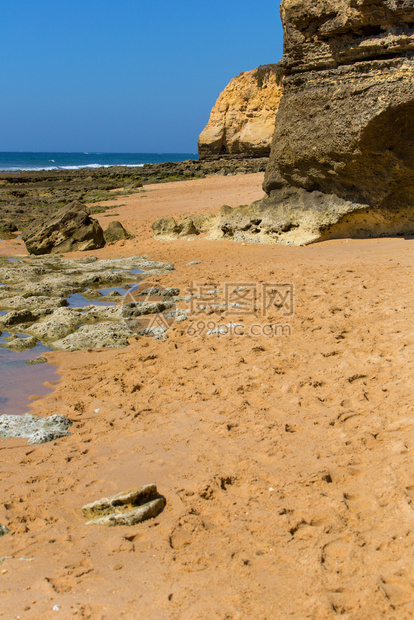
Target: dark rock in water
[342,160]
[34,428]
[37,360]
[127,508]
[70,229]
[16,317]
[116,232]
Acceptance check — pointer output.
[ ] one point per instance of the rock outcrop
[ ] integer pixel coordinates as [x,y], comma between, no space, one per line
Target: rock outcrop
[243,118]
[342,160]
[116,232]
[167,229]
[70,229]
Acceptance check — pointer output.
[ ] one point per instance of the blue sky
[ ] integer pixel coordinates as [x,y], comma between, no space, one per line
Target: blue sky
[126,76]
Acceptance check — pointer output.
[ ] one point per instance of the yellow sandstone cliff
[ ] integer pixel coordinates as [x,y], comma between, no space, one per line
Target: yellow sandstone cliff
[243,118]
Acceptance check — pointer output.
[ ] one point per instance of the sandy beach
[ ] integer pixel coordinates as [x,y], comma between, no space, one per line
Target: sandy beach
[285,458]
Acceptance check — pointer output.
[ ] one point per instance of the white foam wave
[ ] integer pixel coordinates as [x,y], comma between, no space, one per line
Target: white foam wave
[78,167]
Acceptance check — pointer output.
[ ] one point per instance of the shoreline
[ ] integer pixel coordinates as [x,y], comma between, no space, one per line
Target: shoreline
[28,195]
[285,462]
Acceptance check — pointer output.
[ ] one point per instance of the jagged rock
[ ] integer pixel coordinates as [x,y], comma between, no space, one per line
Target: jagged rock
[71,228]
[243,118]
[20,344]
[37,360]
[59,324]
[29,283]
[106,335]
[133,309]
[127,508]
[17,317]
[156,291]
[34,428]
[39,302]
[342,160]
[166,228]
[4,530]
[116,232]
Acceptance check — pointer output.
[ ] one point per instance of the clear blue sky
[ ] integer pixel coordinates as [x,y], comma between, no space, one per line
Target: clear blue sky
[126,75]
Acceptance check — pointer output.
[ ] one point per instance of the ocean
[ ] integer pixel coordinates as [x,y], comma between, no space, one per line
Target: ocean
[74,161]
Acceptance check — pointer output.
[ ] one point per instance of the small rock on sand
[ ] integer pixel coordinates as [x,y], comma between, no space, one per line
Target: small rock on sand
[127,508]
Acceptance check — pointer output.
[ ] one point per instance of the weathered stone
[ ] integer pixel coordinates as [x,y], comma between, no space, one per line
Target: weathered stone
[37,360]
[243,118]
[17,317]
[167,229]
[116,232]
[38,302]
[155,291]
[50,319]
[342,161]
[71,228]
[132,309]
[59,324]
[19,344]
[107,335]
[34,428]
[127,508]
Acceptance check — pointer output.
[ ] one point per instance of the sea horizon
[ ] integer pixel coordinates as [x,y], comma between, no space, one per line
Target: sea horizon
[16,161]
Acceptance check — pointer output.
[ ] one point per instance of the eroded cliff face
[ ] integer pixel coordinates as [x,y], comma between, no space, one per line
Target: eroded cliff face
[243,119]
[342,159]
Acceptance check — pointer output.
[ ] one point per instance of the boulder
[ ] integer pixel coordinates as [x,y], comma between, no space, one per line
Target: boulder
[243,118]
[342,160]
[70,229]
[116,232]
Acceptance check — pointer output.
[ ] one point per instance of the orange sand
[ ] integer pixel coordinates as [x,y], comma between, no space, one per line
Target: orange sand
[286,462]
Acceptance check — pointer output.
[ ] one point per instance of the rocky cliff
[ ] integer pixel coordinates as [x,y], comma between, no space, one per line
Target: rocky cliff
[342,160]
[243,119]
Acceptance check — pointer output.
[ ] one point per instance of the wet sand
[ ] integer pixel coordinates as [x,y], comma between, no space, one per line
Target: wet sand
[285,460]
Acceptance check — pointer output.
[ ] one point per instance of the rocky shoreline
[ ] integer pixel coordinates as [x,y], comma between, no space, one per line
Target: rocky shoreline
[34,302]
[28,195]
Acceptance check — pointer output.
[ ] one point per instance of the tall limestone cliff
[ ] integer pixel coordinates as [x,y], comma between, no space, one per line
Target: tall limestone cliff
[342,160]
[243,119]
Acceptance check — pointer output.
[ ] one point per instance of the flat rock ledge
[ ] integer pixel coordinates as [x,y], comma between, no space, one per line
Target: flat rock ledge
[35,306]
[126,508]
[34,428]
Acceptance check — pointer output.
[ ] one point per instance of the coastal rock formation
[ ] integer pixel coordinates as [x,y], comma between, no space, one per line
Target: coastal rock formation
[342,161]
[70,229]
[82,326]
[243,118]
[166,228]
[116,232]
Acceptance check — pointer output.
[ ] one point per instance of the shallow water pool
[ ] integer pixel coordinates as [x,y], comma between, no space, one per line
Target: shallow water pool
[19,381]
